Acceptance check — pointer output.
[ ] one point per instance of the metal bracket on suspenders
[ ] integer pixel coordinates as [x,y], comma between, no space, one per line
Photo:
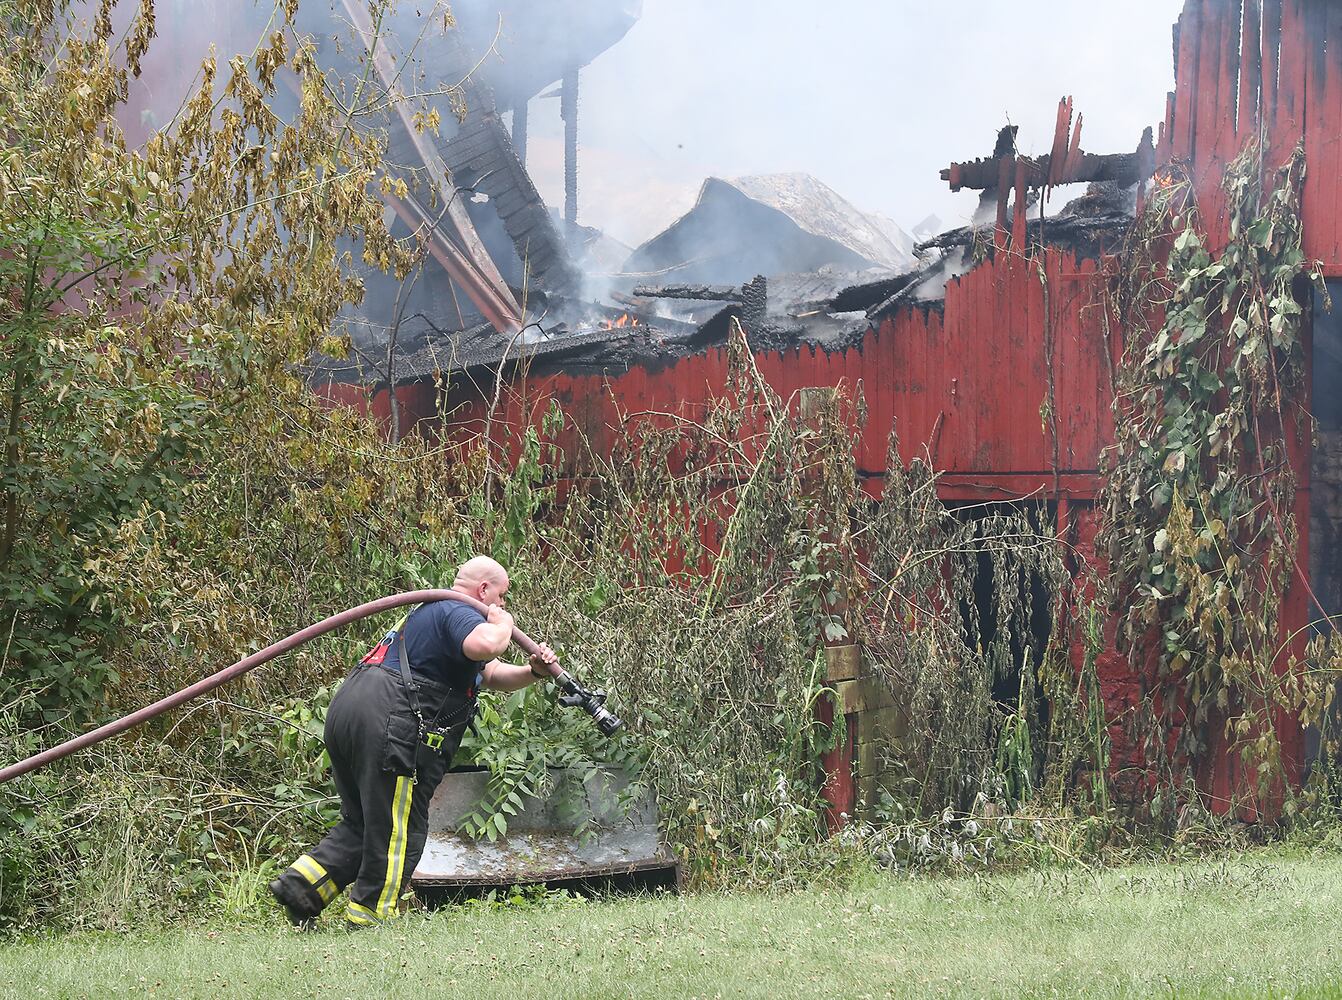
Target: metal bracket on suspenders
[433,739]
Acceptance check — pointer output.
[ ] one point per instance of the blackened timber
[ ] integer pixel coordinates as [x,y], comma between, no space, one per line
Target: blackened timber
[702,293]
[860,298]
[520,131]
[459,249]
[482,158]
[510,202]
[983,174]
[1085,235]
[755,299]
[1123,168]
[568,111]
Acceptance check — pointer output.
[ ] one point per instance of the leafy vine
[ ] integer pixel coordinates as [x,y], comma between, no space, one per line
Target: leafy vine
[1200,487]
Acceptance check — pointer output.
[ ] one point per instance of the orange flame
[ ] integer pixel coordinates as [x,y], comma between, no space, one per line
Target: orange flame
[624,320]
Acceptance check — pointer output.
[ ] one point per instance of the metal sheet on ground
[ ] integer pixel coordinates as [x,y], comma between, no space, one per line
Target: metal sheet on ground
[540,845]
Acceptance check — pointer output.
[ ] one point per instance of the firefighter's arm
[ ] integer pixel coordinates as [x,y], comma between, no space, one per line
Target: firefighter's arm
[514,676]
[490,638]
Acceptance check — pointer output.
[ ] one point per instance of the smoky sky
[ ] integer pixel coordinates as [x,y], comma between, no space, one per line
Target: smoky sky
[874,98]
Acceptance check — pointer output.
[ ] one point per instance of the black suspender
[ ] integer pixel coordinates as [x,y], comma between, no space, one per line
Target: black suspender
[433,738]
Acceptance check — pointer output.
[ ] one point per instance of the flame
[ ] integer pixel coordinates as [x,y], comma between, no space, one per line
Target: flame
[625,320]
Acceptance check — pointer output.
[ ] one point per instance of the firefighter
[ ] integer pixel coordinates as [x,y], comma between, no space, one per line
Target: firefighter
[391,731]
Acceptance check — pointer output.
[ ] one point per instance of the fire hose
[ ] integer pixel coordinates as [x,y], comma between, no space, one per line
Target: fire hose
[574,695]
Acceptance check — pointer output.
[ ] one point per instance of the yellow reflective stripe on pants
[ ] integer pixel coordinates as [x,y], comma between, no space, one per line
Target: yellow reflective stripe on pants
[327,890]
[308,867]
[357,913]
[400,816]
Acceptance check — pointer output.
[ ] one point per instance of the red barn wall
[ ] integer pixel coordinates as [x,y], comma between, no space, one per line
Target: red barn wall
[965,383]
[1269,69]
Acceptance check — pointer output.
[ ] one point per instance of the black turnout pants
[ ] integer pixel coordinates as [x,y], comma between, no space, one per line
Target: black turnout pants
[385,777]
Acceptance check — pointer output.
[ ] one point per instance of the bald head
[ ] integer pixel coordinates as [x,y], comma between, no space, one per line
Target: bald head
[482,569]
[483,578]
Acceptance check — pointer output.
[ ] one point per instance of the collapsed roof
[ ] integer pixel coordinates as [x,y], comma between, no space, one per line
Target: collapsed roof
[833,269]
[772,224]
[829,309]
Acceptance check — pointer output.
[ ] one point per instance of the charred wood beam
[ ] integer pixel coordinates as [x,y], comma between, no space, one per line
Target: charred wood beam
[962,237]
[755,300]
[629,300]
[459,266]
[1123,168]
[702,293]
[1084,234]
[482,156]
[980,175]
[470,264]
[859,298]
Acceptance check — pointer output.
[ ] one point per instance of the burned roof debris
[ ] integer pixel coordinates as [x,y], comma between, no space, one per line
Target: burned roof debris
[828,308]
[605,349]
[699,293]
[515,282]
[1086,235]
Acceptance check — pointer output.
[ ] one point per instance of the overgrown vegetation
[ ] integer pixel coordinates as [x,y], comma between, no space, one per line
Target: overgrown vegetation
[1200,494]
[171,494]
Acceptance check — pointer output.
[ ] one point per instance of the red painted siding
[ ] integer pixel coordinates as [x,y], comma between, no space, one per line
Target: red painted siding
[965,386]
[1275,72]
[964,383]
[1284,77]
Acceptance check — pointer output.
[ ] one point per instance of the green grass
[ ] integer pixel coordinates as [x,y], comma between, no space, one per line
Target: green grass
[1260,924]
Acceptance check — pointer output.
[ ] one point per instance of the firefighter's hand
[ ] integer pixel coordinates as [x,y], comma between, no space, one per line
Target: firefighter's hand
[542,660]
[497,616]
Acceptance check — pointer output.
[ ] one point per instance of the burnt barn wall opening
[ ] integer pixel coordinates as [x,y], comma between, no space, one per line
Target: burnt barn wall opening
[991,619]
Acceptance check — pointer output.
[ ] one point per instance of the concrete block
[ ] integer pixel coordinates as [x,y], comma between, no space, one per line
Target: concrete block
[869,788]
[843,663]
[886,724]
[849,697]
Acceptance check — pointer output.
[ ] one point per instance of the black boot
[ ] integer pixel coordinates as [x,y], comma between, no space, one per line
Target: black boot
[297,906]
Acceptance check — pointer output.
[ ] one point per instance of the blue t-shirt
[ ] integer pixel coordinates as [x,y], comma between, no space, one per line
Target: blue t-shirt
[433,637]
